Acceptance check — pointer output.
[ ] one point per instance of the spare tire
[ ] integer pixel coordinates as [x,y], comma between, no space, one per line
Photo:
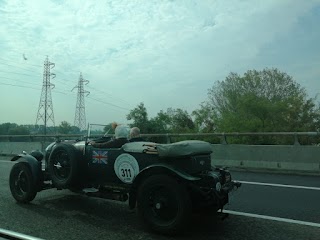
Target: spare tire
[63,166]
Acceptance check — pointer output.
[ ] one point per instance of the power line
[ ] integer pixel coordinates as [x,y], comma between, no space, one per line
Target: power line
[66,83]
[17,67]
[104,92]
[18,80]
[25,62]
[64,93]
[110,95]
[15,85]
[63,73]
[23,86]
[17,52]
[25,74]
[63,82]
[111,104]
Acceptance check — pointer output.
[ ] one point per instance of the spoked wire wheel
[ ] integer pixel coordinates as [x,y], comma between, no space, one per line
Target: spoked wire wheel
[22,185]
[164,204]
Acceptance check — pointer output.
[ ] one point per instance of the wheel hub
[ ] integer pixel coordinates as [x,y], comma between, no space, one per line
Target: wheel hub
[21,183]
[58,165]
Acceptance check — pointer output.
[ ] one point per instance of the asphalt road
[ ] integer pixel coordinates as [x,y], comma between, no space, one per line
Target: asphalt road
[63,215]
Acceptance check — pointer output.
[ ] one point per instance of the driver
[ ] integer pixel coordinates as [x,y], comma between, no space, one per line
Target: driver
[121,137]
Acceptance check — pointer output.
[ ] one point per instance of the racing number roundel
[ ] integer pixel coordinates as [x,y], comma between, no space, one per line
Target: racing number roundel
[126,167]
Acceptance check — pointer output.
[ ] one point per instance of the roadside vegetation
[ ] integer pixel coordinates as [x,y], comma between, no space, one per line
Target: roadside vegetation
[257,101]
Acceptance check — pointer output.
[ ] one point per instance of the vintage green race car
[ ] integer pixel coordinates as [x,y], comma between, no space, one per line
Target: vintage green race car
[165,182]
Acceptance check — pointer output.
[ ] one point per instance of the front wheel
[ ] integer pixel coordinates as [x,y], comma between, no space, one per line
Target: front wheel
[22,185]
[163,204]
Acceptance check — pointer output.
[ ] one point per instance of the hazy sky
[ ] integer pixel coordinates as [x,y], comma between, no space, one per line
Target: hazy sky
[163,53]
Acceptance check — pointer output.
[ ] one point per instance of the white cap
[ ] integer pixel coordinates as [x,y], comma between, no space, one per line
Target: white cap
[121,131]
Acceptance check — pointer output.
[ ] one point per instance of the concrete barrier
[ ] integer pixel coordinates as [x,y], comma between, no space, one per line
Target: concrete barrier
[268,157]
[12,148]
[18,147]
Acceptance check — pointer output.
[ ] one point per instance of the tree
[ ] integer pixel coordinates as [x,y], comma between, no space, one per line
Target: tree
[13,129]
[139,116]
[64,127]
[205,118]
[4,128]
[75,130]
[180,120]
[160,123]
[258,101]
[18,130]
[170,121]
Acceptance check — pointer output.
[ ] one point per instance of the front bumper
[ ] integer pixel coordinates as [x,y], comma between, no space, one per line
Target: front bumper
[213,192]
[230,186]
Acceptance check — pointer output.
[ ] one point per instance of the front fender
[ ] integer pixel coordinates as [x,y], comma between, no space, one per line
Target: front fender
[156,169]
[33,163]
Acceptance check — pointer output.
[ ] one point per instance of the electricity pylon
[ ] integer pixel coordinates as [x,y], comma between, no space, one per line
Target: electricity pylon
[80,115]
[45,110]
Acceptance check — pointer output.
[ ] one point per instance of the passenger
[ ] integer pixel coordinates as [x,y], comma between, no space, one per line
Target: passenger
[121,137]
[113,127]
[135,135]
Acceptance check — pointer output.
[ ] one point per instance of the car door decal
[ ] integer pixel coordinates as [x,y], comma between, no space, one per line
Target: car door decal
[100,157]
[126,167]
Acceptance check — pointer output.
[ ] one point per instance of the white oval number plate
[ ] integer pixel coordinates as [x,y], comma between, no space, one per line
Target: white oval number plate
[126,167]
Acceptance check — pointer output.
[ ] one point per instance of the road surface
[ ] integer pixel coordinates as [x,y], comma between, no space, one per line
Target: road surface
[266,207]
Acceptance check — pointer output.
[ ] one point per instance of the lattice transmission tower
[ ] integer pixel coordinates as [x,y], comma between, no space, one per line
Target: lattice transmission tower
[45,110]
[80,115]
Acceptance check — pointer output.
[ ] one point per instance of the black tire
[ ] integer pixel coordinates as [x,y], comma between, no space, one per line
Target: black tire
[163,204]
[62,166]
[22,185]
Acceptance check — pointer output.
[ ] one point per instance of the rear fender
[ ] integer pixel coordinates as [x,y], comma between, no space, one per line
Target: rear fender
[34,165]
[156,169]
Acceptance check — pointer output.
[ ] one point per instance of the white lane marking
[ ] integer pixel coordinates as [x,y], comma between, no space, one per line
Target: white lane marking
[15,235]
[280,185]
[279,219]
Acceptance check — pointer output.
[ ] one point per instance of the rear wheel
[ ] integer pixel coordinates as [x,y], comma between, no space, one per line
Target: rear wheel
[22,185]
[164,204]
[62,166]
